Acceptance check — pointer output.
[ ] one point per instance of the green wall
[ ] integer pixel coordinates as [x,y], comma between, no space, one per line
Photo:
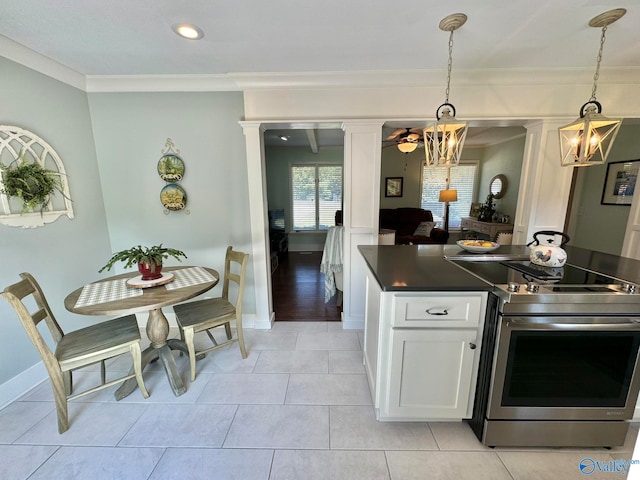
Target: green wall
[65,254]
[596,226]
[131,130]
[504,158]
[110,145]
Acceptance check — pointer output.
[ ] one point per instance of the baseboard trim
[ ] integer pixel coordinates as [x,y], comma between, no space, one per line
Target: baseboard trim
[13,389]
[353,324]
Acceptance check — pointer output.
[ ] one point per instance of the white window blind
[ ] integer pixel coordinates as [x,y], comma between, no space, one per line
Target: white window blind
[316,195]
[462,179]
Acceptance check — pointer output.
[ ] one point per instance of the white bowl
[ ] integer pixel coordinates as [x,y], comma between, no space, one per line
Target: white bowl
[476,248]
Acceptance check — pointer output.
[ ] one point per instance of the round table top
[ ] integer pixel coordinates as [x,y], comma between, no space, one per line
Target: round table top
[151,298]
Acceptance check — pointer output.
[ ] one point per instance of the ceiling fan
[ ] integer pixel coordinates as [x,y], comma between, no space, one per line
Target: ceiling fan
[406,139]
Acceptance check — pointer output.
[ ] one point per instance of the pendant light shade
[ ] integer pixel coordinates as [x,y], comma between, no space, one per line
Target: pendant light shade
[588,140]
[444,139]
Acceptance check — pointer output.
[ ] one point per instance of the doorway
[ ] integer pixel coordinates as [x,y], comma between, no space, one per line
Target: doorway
[297,285]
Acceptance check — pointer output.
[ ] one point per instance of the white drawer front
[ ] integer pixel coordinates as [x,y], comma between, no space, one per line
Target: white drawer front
[437,311]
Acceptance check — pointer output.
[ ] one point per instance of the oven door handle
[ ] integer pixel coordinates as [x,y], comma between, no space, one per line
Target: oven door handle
[519,323]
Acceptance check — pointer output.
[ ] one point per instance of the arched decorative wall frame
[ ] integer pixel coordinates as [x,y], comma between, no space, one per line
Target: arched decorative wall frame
[14,141]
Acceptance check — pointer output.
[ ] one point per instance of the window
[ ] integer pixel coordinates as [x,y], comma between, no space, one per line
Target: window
[463,179]
[316,194]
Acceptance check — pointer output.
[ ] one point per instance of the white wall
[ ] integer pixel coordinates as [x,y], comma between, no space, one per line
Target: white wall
[62,255]
[538,103]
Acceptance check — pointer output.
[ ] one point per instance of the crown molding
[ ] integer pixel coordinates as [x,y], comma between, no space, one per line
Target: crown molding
[309,80]
[40,63]
[357,79]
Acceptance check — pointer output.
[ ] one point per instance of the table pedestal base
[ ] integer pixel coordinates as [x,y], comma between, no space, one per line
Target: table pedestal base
[163,353]
[160,349]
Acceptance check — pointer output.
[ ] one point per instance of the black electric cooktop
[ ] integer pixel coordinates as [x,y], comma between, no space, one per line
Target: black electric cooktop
[503,272]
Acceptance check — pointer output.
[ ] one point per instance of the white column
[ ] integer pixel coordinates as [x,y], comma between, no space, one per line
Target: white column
[544,184]
[631,244]
[362,153]
[253,134]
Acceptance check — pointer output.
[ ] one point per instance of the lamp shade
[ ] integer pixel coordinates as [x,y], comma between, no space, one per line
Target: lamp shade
[448,196]
[587,140]
[407,146]
[444,139]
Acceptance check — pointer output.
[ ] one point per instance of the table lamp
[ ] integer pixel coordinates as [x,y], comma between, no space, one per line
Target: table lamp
[447,196]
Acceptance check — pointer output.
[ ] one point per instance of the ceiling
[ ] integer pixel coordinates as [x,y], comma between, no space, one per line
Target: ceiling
[254,39]
[124,37]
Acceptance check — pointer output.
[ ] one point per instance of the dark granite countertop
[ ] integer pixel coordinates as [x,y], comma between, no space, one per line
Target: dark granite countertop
[424,267]
[418,268]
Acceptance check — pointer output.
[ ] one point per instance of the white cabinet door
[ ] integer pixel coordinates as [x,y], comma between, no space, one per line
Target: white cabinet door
[431,374]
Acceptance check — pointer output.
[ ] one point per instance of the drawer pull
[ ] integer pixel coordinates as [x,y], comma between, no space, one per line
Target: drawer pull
[472,346]
[443,312]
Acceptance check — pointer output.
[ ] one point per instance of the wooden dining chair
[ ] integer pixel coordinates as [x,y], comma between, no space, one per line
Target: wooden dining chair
[203,315]
[76,349]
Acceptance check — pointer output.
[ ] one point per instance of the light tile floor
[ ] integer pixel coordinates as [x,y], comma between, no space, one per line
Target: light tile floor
[298,408]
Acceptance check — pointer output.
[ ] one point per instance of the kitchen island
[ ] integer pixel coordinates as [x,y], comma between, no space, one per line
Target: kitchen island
[425,318]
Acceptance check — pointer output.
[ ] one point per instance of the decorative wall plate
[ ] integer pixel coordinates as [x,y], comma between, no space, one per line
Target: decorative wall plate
[171,167]
[173,197]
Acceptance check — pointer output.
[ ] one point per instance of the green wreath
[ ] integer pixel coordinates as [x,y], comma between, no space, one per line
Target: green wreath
[29,182]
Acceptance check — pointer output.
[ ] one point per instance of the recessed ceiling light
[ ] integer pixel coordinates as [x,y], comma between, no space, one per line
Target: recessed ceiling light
[185,30]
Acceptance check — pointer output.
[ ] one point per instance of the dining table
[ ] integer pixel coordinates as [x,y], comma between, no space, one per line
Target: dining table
[126,294]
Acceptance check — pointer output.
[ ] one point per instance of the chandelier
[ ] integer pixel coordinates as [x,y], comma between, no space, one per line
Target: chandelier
[444,138]
[588,140]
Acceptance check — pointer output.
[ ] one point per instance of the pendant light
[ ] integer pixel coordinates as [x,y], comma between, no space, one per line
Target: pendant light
[443,140]
[588,140]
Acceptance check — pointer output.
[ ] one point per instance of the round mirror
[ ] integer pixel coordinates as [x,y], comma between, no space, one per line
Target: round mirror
[498,186]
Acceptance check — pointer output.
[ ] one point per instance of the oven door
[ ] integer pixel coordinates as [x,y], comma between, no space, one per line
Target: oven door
[559,368]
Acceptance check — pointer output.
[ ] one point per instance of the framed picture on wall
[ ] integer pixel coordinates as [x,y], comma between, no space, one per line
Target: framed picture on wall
[393,187]
[620,182]
[475,210]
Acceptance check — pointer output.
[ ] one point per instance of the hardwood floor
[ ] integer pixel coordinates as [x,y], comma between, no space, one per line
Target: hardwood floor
[298,289]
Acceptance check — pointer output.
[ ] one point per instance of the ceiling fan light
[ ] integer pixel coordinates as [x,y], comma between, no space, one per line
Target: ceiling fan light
[407,147]
[444,140]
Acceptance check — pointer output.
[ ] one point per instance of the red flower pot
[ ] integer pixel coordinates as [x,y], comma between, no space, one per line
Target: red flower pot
[150,271]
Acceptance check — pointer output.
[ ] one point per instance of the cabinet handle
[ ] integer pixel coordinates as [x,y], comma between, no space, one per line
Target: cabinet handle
[443,312]
[472,346]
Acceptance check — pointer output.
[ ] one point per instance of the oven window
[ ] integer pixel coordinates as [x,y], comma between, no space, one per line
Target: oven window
[569,369]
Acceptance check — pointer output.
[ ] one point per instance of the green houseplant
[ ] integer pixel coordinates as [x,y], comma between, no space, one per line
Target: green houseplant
[487,209]
[30,182]
[148,259]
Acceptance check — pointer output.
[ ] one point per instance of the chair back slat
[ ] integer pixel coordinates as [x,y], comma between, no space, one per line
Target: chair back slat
[16,294]
[241,259]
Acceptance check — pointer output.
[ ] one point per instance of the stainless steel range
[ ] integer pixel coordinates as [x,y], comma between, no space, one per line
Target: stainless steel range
[559,359]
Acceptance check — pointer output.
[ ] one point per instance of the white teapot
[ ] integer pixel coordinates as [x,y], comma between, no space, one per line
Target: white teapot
[550,254]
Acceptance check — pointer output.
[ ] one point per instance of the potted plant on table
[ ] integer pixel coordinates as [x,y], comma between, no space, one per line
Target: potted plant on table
[487,210]
[148,259]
